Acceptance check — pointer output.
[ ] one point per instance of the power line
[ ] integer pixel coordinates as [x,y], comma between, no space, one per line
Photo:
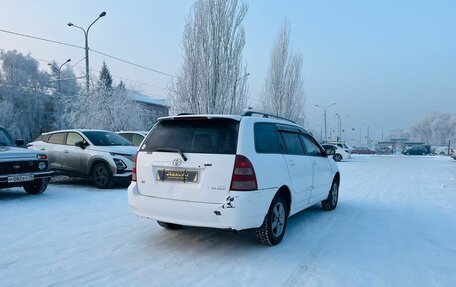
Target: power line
[95,51]
[131,63]
[115,76]
[42,39]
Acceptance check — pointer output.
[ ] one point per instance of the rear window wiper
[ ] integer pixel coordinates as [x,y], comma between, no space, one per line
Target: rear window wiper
[166,149]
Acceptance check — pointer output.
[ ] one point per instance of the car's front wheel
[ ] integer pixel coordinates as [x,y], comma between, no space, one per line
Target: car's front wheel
[330,203]
[272,230]
[337,157]
[37,186]
[102,176]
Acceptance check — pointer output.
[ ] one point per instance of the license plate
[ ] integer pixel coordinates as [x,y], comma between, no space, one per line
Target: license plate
[20,178]
[177,175]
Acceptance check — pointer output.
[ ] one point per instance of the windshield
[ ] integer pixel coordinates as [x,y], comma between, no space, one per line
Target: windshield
[5,139]
[99,138]
[216,136]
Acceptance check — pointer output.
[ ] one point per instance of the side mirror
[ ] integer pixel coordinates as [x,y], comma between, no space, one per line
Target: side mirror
[20,142]
[81,144]
[330,151]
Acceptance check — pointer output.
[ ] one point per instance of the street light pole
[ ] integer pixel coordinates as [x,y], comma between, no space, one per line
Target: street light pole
[60,68]
[339,121]
[86,35]
[324,116]
[58,72]
[233,102]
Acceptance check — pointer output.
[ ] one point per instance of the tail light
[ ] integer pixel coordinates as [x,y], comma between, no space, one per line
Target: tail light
[244,178]
[133,172]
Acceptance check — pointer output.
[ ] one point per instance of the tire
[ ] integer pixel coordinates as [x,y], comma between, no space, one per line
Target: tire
[272,230]
[442,153]
[337,157]
[37,186]
[330,203]
[102,176]
[170,226]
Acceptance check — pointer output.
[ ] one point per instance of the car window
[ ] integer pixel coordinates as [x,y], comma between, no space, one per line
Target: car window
[292,143]
[102,138]
[312,148]
[43,138]
[137,139]
[73,138]
[5,139]
[267,138]
[57,138]
[127,136]
[216,136]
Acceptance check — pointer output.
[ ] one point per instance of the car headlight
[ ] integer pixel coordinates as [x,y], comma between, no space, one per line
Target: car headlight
[129,156]
[120,164]
[42,165]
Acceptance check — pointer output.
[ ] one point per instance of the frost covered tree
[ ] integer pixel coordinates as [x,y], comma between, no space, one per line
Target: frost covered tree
[283,92]
[104,107]
[67,79]
[105,78]
[23,88]
[435,128]
[212,78]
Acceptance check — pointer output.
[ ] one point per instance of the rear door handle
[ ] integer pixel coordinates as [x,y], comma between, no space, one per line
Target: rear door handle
[66,151]
[42,148]
[291,162]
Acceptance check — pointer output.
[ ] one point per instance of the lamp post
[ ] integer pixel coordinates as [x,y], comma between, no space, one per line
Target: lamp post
[58,72]
[86,34]
[233,102]
[324,116]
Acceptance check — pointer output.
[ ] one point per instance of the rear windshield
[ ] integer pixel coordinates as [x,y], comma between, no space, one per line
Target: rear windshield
[216,136]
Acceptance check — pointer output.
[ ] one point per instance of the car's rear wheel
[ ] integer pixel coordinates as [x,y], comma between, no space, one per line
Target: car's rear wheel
[272,230]
[337,157]
[167,225]
[37,186]
[330,203]
[102,176]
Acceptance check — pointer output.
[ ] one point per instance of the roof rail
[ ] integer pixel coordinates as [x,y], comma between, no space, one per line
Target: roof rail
[249,113]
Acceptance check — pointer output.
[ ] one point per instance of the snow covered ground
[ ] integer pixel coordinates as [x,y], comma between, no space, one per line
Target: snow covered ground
[395,226]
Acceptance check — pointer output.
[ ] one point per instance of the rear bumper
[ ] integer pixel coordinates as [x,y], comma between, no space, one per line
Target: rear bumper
[241,210]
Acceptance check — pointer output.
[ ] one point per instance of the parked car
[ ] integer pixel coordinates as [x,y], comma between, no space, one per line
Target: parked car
[417,150]
[339,153]
[362,150]
[103,157]
[20,167]
[384,150]
[442,150]
[231,172]
[342,145]
[136,137]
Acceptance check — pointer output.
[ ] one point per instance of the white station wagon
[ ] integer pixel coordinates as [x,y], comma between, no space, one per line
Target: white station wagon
[231,172]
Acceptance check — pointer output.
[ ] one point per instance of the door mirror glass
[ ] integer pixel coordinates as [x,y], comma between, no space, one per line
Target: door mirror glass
[81,144]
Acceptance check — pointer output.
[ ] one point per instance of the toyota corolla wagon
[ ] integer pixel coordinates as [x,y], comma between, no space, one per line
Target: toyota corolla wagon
[231,172]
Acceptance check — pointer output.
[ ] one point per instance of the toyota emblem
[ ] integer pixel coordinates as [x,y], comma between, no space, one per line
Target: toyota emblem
[16,166]
[177,162]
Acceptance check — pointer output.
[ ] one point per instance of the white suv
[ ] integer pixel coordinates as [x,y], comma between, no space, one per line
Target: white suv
[231,172]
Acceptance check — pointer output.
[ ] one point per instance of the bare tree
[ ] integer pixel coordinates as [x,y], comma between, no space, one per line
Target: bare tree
[283,92]
[435,128]
[212,78]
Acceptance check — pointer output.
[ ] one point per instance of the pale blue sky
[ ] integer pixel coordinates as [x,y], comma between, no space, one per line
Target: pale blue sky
[382,62]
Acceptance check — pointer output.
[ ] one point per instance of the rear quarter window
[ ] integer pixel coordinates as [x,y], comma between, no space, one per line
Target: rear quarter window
[267,138]
[216,136]
[58,138]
